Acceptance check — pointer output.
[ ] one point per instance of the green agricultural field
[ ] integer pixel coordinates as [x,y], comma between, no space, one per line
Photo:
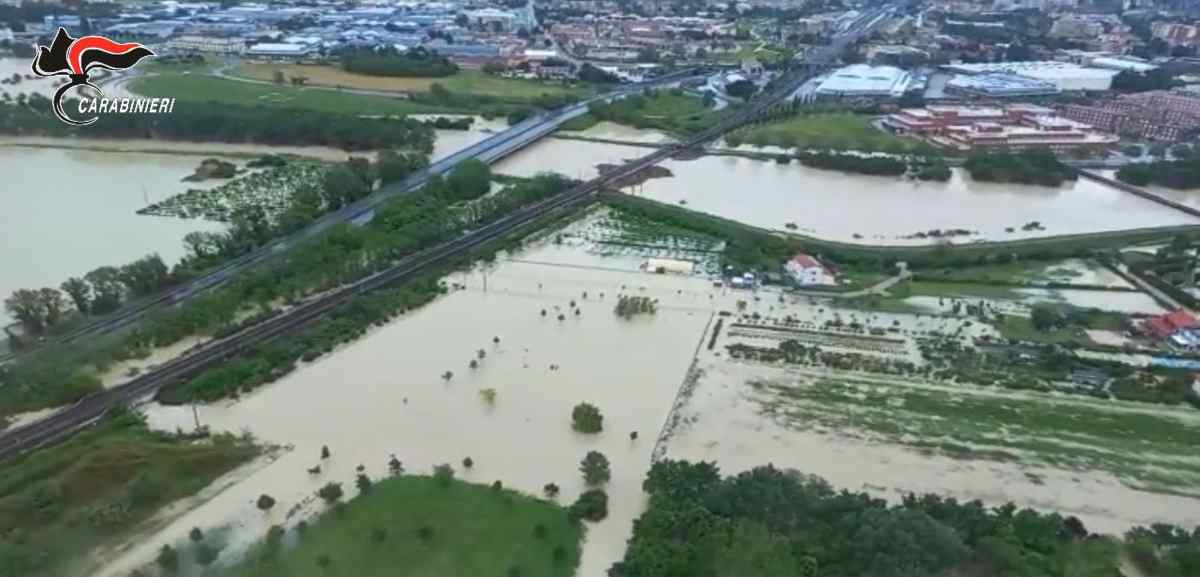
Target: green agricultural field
[833,131]
[466,82]
[962,290]
[1022,329]
[667,110]
[59,503]
[204,88]
[414,526]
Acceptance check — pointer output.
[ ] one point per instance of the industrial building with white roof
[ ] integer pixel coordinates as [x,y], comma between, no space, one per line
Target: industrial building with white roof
[868,81]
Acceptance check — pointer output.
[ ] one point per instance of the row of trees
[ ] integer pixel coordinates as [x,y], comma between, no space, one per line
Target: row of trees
[874,165]
[771,522]
[1180,174]
[97,292]
[212,122]
[1035,166]
[417,62]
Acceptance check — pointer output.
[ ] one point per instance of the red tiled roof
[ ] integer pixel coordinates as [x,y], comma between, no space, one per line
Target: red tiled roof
[1158,326]
[1180,319]
[805,261]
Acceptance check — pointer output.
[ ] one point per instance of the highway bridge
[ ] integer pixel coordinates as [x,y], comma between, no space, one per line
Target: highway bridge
[93,407]
[490,150]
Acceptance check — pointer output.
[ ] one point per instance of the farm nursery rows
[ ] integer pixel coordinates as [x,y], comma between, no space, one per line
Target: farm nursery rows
[270,190]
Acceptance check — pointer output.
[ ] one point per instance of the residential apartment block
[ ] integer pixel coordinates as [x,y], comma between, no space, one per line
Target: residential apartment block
[1159,115]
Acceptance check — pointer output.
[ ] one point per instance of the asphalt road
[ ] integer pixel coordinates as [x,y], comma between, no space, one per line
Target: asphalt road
[91,408]
[489,150]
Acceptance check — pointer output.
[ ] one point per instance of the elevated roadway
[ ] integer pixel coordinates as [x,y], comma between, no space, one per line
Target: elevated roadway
[489,150]
[93,407]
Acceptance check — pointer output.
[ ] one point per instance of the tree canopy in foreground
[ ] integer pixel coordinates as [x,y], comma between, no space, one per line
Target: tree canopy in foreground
[771,522]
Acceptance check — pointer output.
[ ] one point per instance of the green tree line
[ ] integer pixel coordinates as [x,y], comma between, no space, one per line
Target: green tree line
[770,522]
[214,122]
[1178,174]
[417,62]
[1025,167]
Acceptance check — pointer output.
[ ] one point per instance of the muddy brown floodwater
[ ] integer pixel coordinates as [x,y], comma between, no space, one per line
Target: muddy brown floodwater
[384,394]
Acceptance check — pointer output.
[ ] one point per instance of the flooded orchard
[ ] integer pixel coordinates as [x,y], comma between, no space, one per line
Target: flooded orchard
[385,394]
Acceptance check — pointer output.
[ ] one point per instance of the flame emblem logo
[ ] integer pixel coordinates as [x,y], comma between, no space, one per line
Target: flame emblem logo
[74,57]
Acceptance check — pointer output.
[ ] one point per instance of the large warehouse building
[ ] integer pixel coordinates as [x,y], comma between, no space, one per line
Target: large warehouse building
[999,86]
[862,80]
[1065,76]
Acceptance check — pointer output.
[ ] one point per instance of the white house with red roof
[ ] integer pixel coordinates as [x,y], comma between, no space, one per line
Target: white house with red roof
[807,270]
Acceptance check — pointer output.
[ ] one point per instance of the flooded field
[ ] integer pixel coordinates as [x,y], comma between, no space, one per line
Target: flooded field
[451,141]
[573,158]
[856,208]
[613,131]
[891,436]
[22,67]
[385,394]
[666,377]
[883,210]
[66,212]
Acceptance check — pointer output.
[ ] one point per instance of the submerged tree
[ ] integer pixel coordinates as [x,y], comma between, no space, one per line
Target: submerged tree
[586,418]
[265,502]
[331,492]
[595,469]
[488,395]
[167,560]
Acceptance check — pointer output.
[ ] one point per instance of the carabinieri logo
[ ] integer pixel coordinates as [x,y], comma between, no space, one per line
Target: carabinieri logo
[74,57]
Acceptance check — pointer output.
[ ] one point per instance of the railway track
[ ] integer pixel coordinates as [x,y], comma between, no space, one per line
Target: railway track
[489,150]
[91,408]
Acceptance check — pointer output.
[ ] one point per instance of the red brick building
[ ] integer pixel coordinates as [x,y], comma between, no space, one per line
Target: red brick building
[1154,115]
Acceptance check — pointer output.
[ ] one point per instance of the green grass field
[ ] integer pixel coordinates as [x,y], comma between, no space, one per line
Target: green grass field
[203,88]
[670,111]
[59,503]
[469,82]
[1022,329]
[961,290]
[474,530]
[833,131]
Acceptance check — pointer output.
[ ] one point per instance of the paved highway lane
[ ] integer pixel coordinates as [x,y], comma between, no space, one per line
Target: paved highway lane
[489,150]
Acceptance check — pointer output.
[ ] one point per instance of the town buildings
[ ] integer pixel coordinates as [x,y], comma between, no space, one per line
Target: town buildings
[1158,115]
[862,80]
[806,270]
[1065,76]
[1012,127]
